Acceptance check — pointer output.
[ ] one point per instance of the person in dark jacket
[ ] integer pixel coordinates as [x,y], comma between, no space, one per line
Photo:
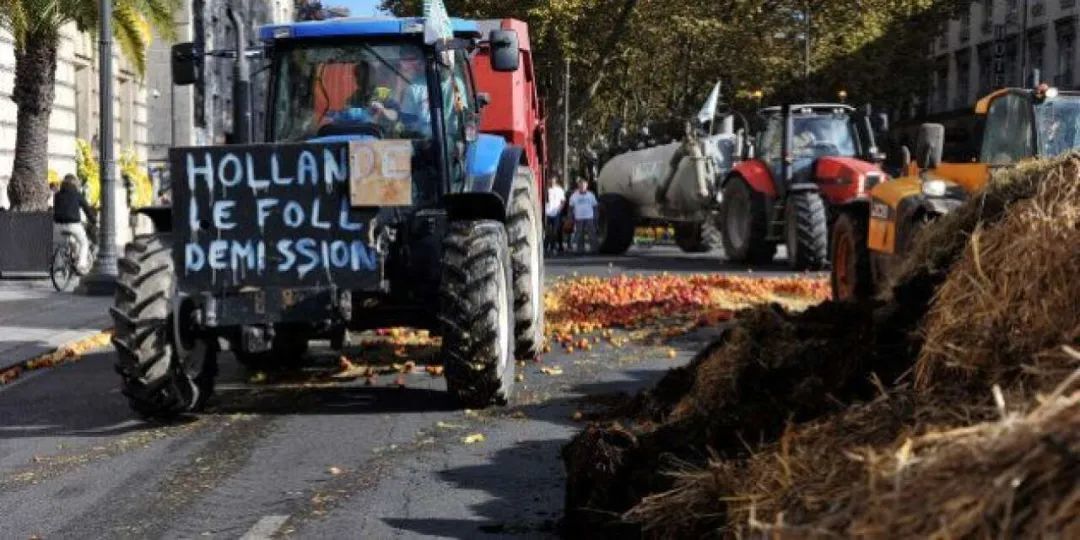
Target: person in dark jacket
[69,205]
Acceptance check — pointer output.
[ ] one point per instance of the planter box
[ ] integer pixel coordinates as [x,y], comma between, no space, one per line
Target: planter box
[26,240]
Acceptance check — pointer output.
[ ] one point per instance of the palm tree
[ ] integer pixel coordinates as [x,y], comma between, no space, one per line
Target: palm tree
[36,26]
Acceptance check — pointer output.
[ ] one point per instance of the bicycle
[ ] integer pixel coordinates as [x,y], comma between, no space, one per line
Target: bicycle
[64,267]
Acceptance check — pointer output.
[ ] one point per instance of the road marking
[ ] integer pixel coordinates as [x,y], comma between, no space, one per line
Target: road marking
[265,527]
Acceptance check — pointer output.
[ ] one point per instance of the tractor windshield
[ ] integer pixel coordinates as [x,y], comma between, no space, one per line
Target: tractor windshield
[1058,123]
[813,136]
[343,89]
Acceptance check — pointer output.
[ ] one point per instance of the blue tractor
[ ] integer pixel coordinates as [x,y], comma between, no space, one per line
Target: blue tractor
[371,201]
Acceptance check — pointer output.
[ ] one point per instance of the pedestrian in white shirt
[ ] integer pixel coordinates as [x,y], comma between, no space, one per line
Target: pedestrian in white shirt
[556,200]
[584,204]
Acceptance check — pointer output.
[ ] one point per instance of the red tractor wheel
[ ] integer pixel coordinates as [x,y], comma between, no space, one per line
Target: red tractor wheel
[852,278]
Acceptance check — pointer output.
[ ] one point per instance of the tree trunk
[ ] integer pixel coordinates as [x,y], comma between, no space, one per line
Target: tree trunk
[35,88]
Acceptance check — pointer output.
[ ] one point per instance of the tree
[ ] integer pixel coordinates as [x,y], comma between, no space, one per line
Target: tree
[642,62]
[36,27]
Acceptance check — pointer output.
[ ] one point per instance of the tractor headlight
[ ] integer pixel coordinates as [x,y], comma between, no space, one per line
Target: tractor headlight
[935,188]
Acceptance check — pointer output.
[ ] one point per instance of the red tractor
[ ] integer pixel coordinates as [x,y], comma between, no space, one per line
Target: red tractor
[811,160]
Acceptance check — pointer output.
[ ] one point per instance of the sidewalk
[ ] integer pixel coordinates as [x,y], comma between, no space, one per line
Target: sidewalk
[35,319]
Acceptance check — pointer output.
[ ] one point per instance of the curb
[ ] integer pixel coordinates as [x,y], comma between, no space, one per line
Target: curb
[64,354]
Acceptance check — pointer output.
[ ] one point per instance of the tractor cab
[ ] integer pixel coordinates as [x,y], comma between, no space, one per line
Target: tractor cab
[821,141]
[1021,124]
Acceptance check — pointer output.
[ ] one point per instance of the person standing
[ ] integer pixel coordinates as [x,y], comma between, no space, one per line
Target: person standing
[584,204]
[553,211]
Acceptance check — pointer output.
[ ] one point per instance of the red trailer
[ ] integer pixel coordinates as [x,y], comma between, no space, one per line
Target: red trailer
[515,111]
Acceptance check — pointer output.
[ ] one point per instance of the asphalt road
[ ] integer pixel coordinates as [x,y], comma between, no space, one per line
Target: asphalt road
[336,460]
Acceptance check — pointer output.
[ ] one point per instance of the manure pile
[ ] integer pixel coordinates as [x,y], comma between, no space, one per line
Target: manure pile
[949,408]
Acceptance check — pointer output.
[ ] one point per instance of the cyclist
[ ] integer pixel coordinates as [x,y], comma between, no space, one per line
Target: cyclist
[68,207]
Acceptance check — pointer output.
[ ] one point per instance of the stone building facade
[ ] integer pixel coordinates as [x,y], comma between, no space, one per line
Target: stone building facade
[993,41]
[202,114]
[75,109]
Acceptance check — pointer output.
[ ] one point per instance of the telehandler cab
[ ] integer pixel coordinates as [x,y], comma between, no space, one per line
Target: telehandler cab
[1017,124]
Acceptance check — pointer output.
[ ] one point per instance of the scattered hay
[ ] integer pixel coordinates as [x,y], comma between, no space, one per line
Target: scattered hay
[1016,288]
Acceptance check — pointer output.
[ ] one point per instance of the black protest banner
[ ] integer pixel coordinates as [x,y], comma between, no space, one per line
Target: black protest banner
[274,215]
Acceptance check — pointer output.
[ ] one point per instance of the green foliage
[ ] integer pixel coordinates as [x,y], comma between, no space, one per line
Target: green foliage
[39,22]
[661,62]
[88,171]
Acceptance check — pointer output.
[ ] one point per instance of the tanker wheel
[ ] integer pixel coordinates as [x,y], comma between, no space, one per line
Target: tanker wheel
[616,224]
[286,352]
[745,223]
[526,253]
[852,278]
[690,237]
[806,231]
[165,369]
[476,313]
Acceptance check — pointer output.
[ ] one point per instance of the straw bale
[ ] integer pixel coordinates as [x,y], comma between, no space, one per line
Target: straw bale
[1016,287]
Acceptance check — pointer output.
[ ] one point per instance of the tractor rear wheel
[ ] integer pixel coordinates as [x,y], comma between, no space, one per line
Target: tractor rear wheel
[852,278]
[526,251]
[615,227]
[165,368]
[476,313]
[745,223]
[807,231]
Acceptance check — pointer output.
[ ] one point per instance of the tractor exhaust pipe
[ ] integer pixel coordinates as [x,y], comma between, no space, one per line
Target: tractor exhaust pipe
[786,159]
[242,114]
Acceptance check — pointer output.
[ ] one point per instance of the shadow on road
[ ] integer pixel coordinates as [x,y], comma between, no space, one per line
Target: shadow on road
[83,399]
[526,481]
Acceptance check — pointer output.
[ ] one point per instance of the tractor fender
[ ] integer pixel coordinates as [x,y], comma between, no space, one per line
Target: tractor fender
[756,174]
[160,216]
[490,166]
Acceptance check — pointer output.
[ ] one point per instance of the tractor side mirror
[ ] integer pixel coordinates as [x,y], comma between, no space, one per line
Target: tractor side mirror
[505,51]
[186,64]
[928,145]
[905,158]
[880,121]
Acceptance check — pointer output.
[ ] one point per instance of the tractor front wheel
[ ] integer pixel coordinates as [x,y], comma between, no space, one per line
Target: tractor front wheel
[476,313]
[165,368]
[852,278]
[807,231]
[691,237]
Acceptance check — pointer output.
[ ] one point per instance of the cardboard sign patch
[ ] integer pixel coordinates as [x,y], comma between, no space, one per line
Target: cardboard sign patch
[380,173]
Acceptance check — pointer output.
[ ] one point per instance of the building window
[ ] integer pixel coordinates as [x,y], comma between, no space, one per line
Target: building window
[963,79]
[1036,49]
[124,112]
[84,128]
[1066,51]
[985,64]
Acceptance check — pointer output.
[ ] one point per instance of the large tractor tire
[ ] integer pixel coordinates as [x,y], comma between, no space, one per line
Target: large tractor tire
[692,237]
[616,224]
[806,230]
[476,313]
[525,229]
[745,222]
[165,369]
[852,277]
